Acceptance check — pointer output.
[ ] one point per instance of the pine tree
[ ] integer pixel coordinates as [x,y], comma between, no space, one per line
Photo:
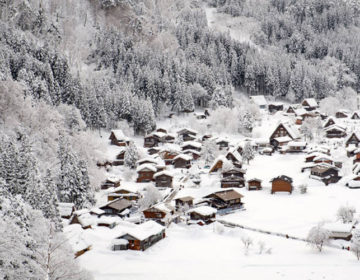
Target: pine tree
[131,155]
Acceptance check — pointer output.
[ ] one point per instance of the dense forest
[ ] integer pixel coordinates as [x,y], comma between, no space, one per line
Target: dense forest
[70,68]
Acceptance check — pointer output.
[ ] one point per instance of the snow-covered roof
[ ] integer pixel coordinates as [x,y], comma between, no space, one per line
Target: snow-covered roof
[300,112]
[167,208]
[294,132]
[65,209]
[183,156]
[311,101]
[297,144]
[187,130]
[146,166]
[192,152]
[354,184]
[203,210]
[334,126]
[119,134]
[164,172]
[259,100]
[144,231]
[338,227]
[147,159]
[283,139]
[97,211]
[222,158]
[323,157]
[192,144]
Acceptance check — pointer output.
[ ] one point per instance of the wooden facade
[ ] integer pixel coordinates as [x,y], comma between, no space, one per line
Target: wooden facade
[281,184]
[151,141]
[110,183]
[180,162]
[254,184]
[116,207]
[326,174]
[352,140]
[116,140]
[163,181]
[186,201]
[145,175]
[329,122]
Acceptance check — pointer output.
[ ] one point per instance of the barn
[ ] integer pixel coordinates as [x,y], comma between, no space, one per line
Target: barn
[281,183]
[254,184]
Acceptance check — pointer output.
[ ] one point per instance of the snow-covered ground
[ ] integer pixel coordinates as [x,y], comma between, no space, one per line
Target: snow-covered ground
[200,253]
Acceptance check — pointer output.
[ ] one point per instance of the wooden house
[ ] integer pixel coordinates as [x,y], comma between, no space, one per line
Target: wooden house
[254,184]
[218,164]
[325,173]
[83,218]
[356,157]
[275,107]
[282,133]
[206,214]
[232,182]
[329,122]
[66,209]
[194,154]
[341,114]
[169,138]
[279,142]
[223,144]
[268,151]
[322,158]
[168,155]
[140,237]
[163,179]
[290,110]
[162,130]
[295,147]
[184,202]
[281,184]
[191,145]
[145,173]
[310,104]
[110,182]
[153,151]
[206,137]
[335,131]
[120,157]
[354,183]
[234,157]
[353,139]
[233,172]
[106,221]
[158,212]
[182,161]
[225,201]
[116,207]
[151,140]
[339,230]
[355,116]
[187,134]
[118,138]
[122,193]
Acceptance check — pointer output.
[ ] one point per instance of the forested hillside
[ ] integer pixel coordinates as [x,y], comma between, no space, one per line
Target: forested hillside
[70,68]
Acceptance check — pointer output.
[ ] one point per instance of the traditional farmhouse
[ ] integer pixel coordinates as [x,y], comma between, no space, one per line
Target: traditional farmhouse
[233,178]
[218,164]
[339,230]
[223,144]
[225,201]
[140,237]
[325,173]
[182,161]
[163,179]
[110,182]
[151,140]
[168,154]
[124,192]
[191,145]
[120,157]
[162,130]
[310,104]
[335,131]
[294,147]
[145,173]
[341,114]
[158,212]
[118,138]
[329,122]
[234,157]
[117,207]
[281,184]
[153,151]
[355,115]
[282,134]
[275,107]
[203,214]
[194,154]
[254,184]
[187,134]
[353,139]
[259,100]
[83,218]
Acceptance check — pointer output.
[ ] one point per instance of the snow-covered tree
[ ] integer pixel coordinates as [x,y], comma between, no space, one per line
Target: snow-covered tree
[248,152]
[318,237]
[346,214]
[209,151]
[131,155]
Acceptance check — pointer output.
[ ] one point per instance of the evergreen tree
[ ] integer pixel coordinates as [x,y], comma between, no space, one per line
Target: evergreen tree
[131,155]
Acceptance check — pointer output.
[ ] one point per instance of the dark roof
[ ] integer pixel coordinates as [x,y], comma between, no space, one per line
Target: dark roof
[118,204]
[283,178]
[226,195]
[185,198]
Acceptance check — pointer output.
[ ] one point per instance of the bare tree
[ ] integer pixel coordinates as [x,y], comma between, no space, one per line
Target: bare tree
[346,214]
[318,237]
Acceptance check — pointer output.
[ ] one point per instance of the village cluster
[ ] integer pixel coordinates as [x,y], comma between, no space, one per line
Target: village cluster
[173,165]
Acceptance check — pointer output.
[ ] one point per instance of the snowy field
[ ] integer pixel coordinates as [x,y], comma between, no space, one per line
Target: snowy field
[199,253]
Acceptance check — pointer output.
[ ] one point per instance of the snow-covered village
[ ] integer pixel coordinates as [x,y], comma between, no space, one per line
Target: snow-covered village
[179,139]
